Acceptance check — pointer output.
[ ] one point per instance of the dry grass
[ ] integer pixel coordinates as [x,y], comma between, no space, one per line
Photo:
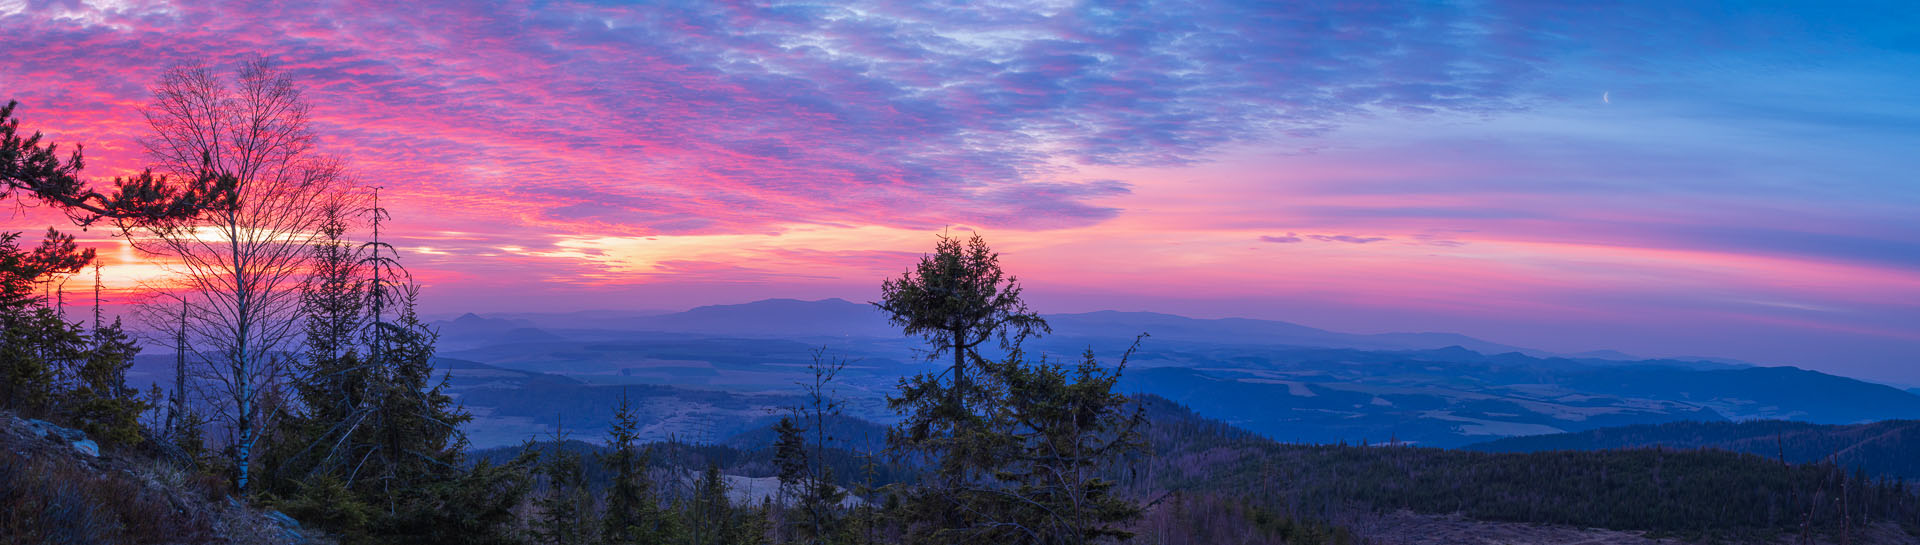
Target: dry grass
[52,494]
[61,500]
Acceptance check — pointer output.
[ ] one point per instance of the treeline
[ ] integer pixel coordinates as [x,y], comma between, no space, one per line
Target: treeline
[1883,449]
[1683,492]
[52,367]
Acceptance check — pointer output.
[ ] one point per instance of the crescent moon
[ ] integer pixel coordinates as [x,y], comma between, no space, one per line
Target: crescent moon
[1603,97]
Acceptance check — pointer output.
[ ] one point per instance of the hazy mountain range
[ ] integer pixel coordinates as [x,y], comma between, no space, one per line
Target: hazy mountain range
[790,318]
[714,372]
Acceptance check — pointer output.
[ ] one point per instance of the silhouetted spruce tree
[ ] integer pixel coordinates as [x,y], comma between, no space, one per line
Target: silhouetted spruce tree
[790,467]
[709,515]
[100,403]
[58,368]
[418,424]
[1070,427]
[633,515]
[27,326]
[566,508]
[751,526]
[335,380]
[1020,446]
[40,347]
[377,448]
[334,376]
[789,455]
[866,521]
[958,299]
[430,494]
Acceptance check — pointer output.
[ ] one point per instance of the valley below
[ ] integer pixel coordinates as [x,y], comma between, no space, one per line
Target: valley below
[713,372]
[1396,438]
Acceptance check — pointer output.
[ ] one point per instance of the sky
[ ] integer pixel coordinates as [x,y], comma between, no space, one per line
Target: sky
[1662,178]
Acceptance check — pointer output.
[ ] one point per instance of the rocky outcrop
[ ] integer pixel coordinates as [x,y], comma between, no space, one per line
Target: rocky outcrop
[64,488]
[61,435]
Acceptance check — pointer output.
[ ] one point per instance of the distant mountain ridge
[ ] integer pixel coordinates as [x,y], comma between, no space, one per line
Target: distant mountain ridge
[834,317]
[1107,323]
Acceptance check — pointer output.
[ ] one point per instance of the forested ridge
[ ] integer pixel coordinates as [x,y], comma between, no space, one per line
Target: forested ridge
[1883,448]
[1227,480]
[1685,492]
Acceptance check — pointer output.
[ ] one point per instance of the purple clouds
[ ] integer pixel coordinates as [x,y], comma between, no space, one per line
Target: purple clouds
[735,118]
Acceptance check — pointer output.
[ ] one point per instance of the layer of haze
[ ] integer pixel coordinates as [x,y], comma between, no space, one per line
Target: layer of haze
[1662,178]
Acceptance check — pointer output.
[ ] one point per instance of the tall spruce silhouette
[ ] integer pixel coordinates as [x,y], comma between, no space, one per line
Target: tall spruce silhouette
[958,299]
[1018,446]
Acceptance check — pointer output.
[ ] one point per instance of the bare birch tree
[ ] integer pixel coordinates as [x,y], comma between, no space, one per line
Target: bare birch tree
[240,269]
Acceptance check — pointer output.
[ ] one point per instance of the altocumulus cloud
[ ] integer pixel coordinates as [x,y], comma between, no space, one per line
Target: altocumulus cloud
[1291,238]
[708,117]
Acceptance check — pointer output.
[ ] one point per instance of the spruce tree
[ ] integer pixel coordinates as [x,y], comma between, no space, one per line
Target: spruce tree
[789,457]
[633,508]
[1018,445]
[335,377]
[376,421]
[33,338]
[566,509]
[423,482]
[35,169]
[41,349]
[710,517]
[958,299]
[101,403]
[26,377]
[321,448]
[1070,427]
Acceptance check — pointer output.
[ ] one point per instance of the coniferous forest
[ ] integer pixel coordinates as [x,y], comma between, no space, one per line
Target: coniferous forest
[311,401]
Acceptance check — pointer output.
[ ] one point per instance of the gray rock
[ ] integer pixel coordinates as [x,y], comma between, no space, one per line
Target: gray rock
[87,447]
[50,431]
